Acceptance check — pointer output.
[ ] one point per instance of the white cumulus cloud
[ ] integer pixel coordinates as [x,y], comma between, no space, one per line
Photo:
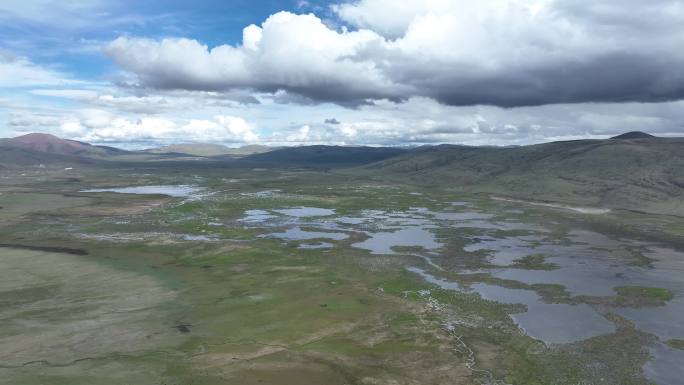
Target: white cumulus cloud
[100,126]
[16,71]
[459,52]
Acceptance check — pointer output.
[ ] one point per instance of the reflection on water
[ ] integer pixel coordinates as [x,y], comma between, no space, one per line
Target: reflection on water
[297,234]
[443,283]
[593,264]
[666,366]
[351,220]
[551,323]
[590,263]
[594,277]
[666,258]
[305,212]
[176,191]
[257,216]
[462,216]
[666,322]
[505,251]
[384,242]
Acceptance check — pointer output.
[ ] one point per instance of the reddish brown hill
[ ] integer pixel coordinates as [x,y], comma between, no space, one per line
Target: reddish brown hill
[47,143]
[54,145]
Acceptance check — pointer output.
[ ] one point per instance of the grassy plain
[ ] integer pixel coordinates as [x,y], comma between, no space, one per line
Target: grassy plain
[131,299]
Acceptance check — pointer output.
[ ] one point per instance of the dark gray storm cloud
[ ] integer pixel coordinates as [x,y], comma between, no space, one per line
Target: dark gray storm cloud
[460,53]
[618,77]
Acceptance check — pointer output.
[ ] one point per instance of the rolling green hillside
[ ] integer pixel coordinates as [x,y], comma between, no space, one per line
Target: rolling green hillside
[639,174]
[323,156]
[207,149]
[11,157]
[631,171]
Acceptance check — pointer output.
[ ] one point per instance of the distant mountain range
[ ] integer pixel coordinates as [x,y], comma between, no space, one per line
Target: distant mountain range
[46,149]
[634,135]
[36,149]
[324,156]
[633,171]
[207,149]
[51,144]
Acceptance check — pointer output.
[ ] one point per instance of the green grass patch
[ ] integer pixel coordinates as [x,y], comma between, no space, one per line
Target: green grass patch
[645,292]
[676,344]
[534,262]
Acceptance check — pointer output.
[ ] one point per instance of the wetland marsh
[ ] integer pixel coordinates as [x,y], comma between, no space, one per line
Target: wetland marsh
[202,278]
[341,192]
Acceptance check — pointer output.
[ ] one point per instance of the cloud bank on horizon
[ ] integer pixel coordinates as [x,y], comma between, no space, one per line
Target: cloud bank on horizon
[350,72]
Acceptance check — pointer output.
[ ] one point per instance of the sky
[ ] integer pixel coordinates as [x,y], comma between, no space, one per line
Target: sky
[140,74]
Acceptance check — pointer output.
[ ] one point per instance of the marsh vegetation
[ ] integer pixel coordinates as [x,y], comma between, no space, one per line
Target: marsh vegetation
[280,277]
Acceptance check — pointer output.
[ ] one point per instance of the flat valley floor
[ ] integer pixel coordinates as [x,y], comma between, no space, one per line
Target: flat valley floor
[197,275]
